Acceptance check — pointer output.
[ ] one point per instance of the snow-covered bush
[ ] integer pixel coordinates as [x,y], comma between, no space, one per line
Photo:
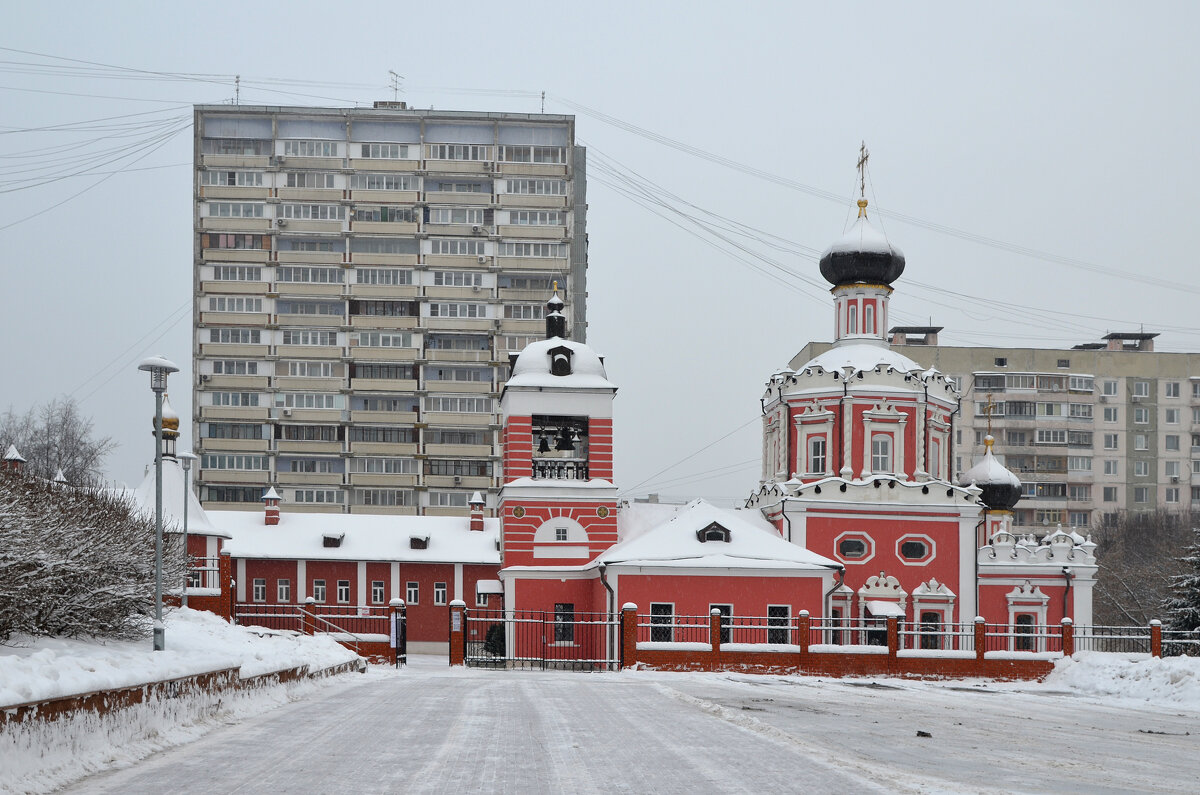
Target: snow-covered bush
[76,561]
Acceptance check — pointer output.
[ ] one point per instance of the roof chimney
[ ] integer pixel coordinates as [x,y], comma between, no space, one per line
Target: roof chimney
[13,460]
[476,503]
[271,498]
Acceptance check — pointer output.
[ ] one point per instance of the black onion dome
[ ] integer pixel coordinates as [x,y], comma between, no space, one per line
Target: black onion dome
[863,255]
[1000,489]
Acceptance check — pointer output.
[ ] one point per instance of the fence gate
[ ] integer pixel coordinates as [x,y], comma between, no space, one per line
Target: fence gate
[542,640]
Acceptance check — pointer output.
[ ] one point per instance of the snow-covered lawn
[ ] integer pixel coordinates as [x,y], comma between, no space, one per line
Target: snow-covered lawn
[37,757]
[1099,724]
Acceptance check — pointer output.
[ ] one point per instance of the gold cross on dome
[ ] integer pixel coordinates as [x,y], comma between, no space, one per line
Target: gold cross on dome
[863,157]
[988,410]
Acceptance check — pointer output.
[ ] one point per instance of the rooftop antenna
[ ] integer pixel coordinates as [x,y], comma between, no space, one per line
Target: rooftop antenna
[237,89]
[543,102]
[394,82]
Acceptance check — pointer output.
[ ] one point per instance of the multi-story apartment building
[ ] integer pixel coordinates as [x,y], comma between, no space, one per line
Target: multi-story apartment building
[361,277]
[1091,430]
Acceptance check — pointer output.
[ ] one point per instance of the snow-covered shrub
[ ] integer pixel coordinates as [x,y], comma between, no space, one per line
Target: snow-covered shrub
[76,561]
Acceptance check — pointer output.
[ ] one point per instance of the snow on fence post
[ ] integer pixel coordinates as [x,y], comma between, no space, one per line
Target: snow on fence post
[225,574]
[458,642]
[1156,638]
[628,635]
[308,622]
[1068,637]
[893,630]
[803,626]
[980,638]
[714,637]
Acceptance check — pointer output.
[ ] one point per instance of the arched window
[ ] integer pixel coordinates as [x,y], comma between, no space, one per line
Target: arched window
[881,453]
[869,319]
[852,319]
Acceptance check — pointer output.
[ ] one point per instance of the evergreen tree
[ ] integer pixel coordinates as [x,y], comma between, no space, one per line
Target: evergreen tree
[1183,608]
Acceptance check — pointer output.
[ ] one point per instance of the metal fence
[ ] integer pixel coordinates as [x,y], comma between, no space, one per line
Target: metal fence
[673,629]
[541,640]
[1113,639]
[1023,638]
[281,617]
[332,618]
[203,573]
[915,636]
[1179,642]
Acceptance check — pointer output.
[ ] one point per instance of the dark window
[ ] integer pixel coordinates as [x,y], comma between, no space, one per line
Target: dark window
[456,466]
[386,435]
[1024,633]
[404,372]
[714,532]
[231,493]
[726,621]
[662,617]
[1001,361]
[778,617]
[564,623]
[913,550]
[852,548]
[931,624]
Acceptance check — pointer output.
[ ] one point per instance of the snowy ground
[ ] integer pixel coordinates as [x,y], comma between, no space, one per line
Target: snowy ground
[430,728]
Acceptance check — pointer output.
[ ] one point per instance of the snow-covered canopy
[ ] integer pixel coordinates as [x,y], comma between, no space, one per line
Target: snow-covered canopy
[173,492]
[533,367]
[988,472]
[862,236]
[862,356]
[752,544]
[301,536]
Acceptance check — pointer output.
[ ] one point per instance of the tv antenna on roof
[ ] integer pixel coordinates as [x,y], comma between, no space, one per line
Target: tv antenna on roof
[394,82]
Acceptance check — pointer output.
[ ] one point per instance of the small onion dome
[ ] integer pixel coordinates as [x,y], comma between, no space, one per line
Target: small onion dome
[862,255]
[1000,489]
[170,418]
[555,304]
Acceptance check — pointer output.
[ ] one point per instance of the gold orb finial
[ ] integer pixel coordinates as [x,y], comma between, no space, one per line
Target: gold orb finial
[862,208]
[988,441]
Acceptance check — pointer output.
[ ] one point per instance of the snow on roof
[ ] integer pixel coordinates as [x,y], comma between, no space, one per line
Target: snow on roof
[300,536]
[13,455]
[862,236]
[489,586]
[532,368]
[753,543]
[860,356]
[882,609]
[988,471]
[637,518]
[173,495]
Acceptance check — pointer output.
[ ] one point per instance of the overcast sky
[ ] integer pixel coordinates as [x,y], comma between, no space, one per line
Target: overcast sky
[1039,158]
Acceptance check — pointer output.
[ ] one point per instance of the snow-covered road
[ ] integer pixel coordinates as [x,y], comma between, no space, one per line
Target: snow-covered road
[432,729]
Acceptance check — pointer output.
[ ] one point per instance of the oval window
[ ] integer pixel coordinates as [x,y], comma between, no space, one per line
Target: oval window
[913,550]
[852,548]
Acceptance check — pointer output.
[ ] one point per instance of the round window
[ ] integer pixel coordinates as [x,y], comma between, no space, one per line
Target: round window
[913,550]
[852,548]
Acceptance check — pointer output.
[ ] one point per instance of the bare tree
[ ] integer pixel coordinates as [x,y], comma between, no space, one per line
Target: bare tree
[76,561]
[57,435]
[1138,555]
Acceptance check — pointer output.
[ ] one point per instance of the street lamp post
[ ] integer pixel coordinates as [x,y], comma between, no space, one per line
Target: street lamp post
[185,460]
[159,368]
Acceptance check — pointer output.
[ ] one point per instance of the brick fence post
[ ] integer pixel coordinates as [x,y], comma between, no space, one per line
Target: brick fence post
[980,638]
[628,635]
[714,637]
[804,627]
[308,623]
[225,578]
[893,630]
[1156,638]
[458,635]
[1068,637]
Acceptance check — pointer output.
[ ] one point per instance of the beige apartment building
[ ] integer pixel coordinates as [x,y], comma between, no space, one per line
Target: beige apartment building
[361,277]
[1092,430]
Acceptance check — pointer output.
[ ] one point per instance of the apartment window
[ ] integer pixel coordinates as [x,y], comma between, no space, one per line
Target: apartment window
[412,592]
[457,279]
[309,337]
[237,273]
[1196,389]
[318,591]
[536,218]
[460,405]
[527,281]
[881,453]
[439,593]
[564,622]
[320,496]
[383,182]
[232,179]
[1111,414]
[309,244]
[1081,383]
[1171,389]
[234,367]
[1141,442]
[259,592]
[457,152]
[309,275]
[1108,388]
[383,466]
[309,400]
[390,497]
[458,187]
[448,499]
[1080,411]
[1141,389]
[309,465]
[1080,518]
[1079,493]
[381,339]
[233,398]
[310,148]
[235,336]
[382,435]
[1051,437]
[1171,442]
[1064,364]
[1079,463]
[1171,416]
[537,187]
[309,433]
[816,455]
[662,620]
[1171,494]
[384,151]
[456,248]
[458,466]
[1141,494]
[435,436]
[533,154]
[456,342]
[343,592]
[234,209]
[1171,469]
[458,310]
[1141,469]
[377,592]
[231,494]
[387,276]
[307,369]
[1079,438]
[456,215]
[1050,409]
[1141,415]
[237,462]
[310,179]
[1111,441]
[1110,494]
[246,147]
[383,245]
[1111,467]
[536,250]
[283,591]
[313,212]
[1000,361]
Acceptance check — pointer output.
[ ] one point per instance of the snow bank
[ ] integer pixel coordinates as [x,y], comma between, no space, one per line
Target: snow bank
[1166,680]
[45,668]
